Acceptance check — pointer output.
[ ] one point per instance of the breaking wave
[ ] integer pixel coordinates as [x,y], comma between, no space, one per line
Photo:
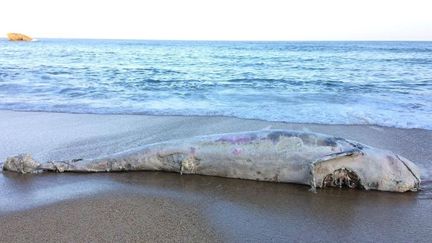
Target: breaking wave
[382,83]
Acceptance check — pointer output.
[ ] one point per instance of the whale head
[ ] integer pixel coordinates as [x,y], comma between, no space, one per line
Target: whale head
[369,169]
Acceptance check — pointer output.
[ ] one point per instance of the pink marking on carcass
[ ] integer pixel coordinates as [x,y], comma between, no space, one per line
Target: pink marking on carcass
[237,151]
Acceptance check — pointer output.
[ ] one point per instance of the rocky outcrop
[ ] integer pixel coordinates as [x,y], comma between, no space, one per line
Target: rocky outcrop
[18,37]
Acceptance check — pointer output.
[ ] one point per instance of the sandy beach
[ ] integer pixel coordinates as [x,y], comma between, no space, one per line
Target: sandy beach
[157,206]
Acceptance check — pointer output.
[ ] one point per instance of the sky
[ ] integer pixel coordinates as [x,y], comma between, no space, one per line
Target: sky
[220,19]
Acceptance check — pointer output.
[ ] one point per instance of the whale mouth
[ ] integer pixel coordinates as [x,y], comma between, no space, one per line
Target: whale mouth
[343,178]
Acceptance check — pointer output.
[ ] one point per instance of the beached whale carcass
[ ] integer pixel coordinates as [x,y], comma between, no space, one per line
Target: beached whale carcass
[268,155]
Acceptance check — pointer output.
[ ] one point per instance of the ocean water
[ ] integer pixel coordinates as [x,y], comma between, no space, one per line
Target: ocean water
[382,83]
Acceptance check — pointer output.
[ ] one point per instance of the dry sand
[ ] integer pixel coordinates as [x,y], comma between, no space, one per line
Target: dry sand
[156,206]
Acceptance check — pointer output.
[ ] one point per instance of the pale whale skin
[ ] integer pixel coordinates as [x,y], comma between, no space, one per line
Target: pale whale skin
[268,155]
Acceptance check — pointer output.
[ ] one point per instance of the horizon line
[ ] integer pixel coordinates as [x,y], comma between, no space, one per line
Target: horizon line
[234,40]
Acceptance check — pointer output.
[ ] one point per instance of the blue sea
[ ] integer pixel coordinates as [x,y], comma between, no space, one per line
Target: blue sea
[381,83]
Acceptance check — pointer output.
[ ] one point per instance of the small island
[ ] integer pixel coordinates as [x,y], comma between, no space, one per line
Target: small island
[18,37]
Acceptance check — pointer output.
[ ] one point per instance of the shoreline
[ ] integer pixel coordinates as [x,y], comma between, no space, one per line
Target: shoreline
[159,205]
[208,116]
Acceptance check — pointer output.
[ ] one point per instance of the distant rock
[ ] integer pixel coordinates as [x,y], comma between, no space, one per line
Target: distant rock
[18,37]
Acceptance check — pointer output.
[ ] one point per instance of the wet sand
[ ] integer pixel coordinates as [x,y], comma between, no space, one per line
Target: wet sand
[157,206]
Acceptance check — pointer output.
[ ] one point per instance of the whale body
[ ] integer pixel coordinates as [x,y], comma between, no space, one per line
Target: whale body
[312,159]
